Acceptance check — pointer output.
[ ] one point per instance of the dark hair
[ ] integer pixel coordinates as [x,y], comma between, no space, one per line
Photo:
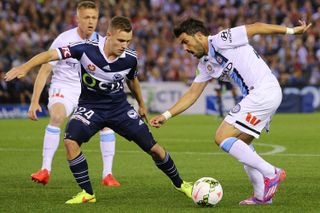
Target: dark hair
[87,5]
[190,26]
[120,23]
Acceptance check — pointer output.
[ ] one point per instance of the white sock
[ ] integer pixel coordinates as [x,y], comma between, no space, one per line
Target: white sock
[50,146]
[107,146]
[243,153]
[256,179]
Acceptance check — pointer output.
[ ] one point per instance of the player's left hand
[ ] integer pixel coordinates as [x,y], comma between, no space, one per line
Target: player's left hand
[157,121]
[302,28]
[15,72]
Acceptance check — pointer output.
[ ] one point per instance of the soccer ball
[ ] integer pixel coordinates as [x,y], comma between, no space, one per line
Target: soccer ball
[207,191]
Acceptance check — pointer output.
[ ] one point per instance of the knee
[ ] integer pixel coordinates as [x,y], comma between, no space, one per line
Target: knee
[72,148]
[219,138]
[57,119]
[157,152]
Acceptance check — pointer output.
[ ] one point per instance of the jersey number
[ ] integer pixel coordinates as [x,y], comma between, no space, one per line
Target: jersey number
[83,111]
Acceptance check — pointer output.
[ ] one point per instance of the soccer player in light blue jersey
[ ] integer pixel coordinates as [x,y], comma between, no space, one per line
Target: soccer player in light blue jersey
[228,56]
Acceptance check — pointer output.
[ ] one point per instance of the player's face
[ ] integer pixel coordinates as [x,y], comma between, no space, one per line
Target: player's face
[119,41]
[192,45]
[87,19]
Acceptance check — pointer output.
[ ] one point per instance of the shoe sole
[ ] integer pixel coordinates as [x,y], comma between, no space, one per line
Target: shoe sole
[39,181]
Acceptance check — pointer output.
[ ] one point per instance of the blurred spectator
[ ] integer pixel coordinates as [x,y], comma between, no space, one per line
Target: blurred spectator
[29,27]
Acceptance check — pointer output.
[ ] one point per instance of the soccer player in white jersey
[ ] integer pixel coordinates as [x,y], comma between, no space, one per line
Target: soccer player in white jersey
[229,56]
[64,94]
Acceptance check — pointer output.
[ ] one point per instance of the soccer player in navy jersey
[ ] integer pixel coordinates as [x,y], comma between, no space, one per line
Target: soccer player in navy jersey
[64,93]
[105,65]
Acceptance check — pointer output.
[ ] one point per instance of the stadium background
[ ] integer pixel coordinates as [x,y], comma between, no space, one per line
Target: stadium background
[29,27]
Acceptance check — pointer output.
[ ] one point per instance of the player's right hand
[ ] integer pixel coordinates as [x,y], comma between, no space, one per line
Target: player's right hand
[15,72]
[33,109]
[157,121]
[302,28]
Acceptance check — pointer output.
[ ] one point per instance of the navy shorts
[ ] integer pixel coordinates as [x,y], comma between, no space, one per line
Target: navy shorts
[123,119]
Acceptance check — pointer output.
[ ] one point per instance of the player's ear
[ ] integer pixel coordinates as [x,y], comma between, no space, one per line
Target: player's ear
[109,34]
[77,19]
[198,35]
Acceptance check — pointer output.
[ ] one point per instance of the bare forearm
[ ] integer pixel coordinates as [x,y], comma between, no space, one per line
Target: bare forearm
[41,58]
[188,99]
[263,29]
[40,82]
[135,88]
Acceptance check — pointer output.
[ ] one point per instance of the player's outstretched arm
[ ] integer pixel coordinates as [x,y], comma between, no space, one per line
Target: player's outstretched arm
[262,28]
[41,58]
[39,84]
[183,103]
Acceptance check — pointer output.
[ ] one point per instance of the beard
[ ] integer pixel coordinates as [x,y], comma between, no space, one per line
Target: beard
[199,50]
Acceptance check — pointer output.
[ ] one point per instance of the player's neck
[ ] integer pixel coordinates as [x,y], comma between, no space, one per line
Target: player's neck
[206,44]
[82,34]
[107,51]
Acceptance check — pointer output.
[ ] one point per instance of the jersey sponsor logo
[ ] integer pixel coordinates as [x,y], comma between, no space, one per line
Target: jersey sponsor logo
[94,84]
[91,67]
[225,76]
[252,119]
[225,35]
[132,114]
[66,52]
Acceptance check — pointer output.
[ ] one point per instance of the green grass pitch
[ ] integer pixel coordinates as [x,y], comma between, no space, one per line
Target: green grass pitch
[293,144]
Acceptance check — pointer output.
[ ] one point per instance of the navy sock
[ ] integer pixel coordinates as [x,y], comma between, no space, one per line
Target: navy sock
[169,168]
[79,169]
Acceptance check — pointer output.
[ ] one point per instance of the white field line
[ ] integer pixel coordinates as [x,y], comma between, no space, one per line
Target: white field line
[277,149]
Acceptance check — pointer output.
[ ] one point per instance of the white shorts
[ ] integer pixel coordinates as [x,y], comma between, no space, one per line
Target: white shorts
[67,96]
[254,112]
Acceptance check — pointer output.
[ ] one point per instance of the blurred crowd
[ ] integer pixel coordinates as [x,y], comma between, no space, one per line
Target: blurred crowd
[29,27]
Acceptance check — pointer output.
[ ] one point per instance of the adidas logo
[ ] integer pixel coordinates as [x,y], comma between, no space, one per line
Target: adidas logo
[140,122]
[107,67]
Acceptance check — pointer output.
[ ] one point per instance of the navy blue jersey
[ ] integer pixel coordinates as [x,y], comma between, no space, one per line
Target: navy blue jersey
[101,80]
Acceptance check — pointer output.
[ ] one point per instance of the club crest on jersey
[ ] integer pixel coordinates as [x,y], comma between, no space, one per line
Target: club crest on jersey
[117,77]
[91,67]
[236,108]
[132,114]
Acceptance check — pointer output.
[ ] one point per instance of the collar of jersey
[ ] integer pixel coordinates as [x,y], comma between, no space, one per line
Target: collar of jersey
[101,46]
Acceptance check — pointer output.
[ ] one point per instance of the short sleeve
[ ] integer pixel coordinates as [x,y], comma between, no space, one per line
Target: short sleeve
[201,74]
[71,51]
[133,72]
[230,38]
[55,44]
